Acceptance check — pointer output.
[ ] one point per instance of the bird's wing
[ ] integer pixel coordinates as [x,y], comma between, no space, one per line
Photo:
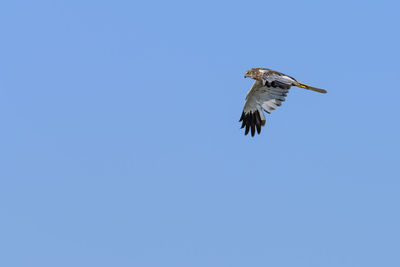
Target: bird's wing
[275,78]
[259,98]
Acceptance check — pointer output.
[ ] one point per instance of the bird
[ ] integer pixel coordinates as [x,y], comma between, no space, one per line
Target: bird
[267,93]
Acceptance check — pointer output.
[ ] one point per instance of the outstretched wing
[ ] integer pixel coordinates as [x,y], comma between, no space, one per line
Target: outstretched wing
[266,95]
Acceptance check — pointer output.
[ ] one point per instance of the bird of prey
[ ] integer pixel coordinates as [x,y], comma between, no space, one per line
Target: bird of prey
[268,92]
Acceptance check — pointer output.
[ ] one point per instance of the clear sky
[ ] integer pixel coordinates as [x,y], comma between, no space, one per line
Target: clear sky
[120,141]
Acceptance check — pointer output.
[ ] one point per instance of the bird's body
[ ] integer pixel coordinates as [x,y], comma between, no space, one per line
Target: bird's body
[268,92]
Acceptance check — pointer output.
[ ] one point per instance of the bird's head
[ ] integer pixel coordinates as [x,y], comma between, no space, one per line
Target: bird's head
[250,74]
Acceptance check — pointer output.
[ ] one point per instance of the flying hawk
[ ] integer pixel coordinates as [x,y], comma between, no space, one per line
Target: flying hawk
[268,92]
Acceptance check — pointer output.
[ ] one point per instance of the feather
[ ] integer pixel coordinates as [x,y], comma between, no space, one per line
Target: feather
[241,117]
[253,123]
[247,127]
[258,118]
[243,124]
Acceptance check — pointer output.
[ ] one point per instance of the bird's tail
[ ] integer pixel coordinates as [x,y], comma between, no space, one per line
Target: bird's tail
[308,87]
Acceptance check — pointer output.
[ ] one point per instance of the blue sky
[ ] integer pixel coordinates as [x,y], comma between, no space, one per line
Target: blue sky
[120,141]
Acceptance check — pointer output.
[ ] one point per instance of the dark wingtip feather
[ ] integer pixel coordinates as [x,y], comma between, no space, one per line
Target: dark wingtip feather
[253,122]
[258,128]
[258,121]
[247,129]
[241,117]
[258,117]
